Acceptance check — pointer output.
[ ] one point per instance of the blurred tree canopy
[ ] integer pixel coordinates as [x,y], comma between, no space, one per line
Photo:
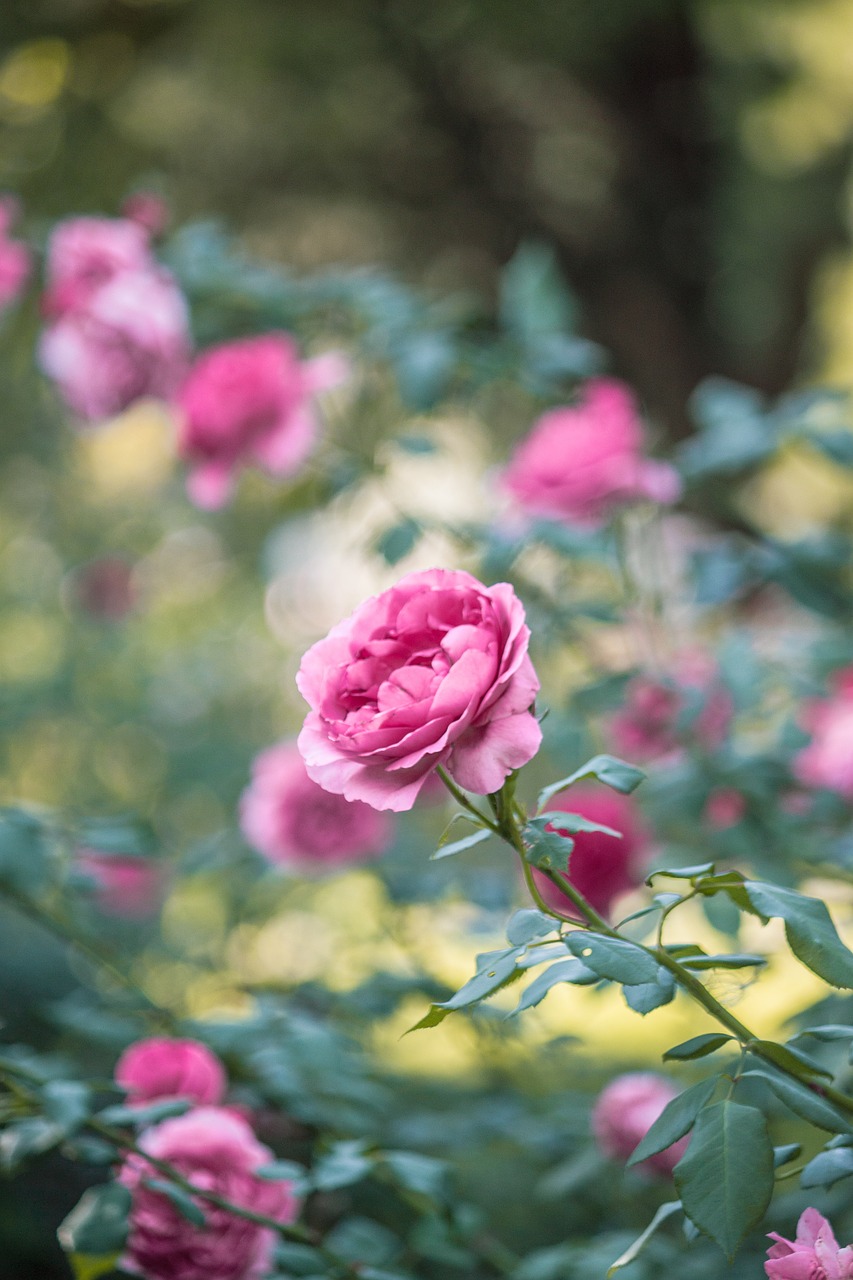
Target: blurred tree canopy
[689,160]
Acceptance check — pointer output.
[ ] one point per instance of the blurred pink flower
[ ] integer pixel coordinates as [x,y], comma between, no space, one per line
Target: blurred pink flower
[294,823]
[647,725]
[215,1150]
[434,671]
[127,338]
[827,761]
[164,1068]
[724,807]
[126,885]
[149,210]
[814,1255]
[624,1112]
[83,254]
[580,462]
[601,867]
[250,401]
[15,256]
[104,588]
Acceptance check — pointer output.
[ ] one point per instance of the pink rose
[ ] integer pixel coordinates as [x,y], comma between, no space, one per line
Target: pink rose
[126,885]
[814,1255]
[580,462]
[724,807]
[648,726]
[432,672]
[827,761]
[163,1068]
[601,867]
[15,256]
[295,823]
[83,254]
[128,339]
[250,401]
[625,1111]
[217,1151]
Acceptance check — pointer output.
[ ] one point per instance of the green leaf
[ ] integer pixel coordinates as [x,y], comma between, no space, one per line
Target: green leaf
[299,1259]
[645,996]
[803,1101]
[534,301]
[676,1119]
[398,541]
[527,924]
[499,968]
[98,1224]
[143,1116]
[811,934]
[66,1102]
[29,1137]
[828,1031]
[343,1166]
[573,823]
[684,873]
[633,1251]
[282,1171]
[181,1199]
[828,1167]
[725,1179]
[434,1016]
[572,971]
[421,1174]
[547,850]
[785,1154]
[361,1240]
[459,846]
[615,773]
[614,958]
[697,1047]
[733,961]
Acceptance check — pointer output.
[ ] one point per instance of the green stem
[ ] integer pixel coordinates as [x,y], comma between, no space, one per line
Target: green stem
[510,832]
[460,797]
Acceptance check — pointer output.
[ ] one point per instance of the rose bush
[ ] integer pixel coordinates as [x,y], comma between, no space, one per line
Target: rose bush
[216,1151]
[432,672]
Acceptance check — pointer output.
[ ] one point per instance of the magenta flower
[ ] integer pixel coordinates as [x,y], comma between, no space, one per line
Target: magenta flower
[117,342]
[126,886]
[827,761]
[250,402]
[649,724]
[15,256]
[624,1112]
[164,1068]
[295,823]
[216,1150]
[84,254]
[814,1255]
[433,671]
[724,807]
[581,462]
[601,867]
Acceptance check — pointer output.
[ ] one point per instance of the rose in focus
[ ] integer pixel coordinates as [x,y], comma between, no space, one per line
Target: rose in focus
[601,867]
[216,1151]
[434,671]
[814,1255]
[295,823]
[827,761]
[246,402]
[161,1067]
[624,1112]
[582,462]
